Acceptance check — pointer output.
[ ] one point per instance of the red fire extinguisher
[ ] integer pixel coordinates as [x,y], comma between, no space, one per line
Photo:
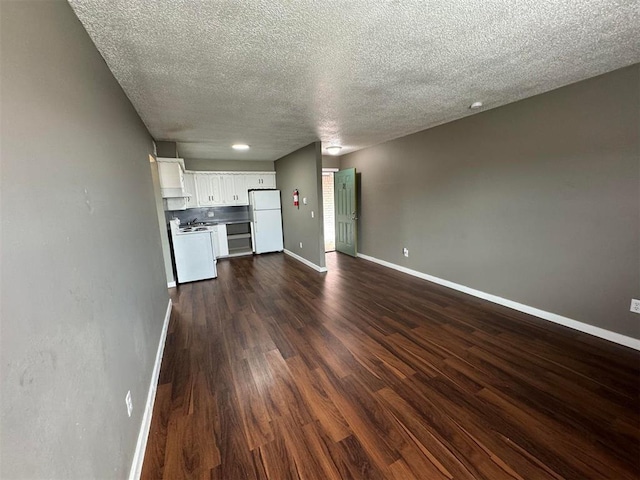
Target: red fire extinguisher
[296,198]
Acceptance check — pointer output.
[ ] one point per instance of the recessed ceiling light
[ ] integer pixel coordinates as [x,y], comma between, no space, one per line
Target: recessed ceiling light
[240,146]
[475,105]
[334,149]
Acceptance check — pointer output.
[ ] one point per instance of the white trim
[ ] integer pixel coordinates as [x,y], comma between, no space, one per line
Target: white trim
[552,317]
[305,261]
[143,435]
[171,284]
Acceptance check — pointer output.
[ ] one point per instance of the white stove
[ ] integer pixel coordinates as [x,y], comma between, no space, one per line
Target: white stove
[194,229]
[194,252]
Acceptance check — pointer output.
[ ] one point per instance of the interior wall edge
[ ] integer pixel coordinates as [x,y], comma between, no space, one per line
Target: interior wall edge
[317,268]
[302,224]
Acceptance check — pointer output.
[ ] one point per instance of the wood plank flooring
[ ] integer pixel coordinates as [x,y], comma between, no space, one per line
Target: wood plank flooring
[275,371]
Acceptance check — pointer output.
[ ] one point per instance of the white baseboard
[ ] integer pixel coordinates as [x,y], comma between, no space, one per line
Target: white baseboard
[143,435]
[305,261]
[171,284]
[552,317]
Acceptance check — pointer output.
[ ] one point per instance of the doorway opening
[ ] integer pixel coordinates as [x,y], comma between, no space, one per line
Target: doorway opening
[329,210]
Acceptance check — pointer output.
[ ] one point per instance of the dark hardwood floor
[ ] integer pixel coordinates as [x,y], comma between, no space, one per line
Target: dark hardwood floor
[276,371]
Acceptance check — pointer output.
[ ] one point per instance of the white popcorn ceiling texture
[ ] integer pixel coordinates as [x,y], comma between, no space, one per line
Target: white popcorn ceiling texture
[279,75]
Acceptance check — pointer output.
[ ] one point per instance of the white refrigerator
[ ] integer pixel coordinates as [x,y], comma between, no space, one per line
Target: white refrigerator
[266,221]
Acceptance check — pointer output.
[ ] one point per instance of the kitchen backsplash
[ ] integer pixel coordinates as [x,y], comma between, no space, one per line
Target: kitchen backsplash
[220,214]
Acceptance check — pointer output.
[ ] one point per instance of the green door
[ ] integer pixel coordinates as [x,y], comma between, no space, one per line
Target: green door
[344,184]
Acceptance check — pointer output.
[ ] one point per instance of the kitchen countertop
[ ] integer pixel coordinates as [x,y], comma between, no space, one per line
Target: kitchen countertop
[213,224]
[205,227]
[228,222]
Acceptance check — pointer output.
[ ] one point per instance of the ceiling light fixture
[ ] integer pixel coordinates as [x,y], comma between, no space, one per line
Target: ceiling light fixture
[240,146]
[475,105]
[334,149]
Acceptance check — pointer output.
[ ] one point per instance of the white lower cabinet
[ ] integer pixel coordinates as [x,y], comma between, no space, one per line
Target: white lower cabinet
[219,240]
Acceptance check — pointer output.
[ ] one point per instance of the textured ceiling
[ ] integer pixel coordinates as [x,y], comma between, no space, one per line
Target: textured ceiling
[281,74]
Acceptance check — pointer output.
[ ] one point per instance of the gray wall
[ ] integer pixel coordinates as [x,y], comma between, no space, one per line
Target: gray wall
[537,201]
[83,291]
[166,149]
[330,161]
[302,169]
[200,164]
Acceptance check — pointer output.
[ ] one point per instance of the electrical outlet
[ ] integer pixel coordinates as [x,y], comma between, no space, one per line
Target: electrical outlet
[210,214]
[312,214]
[405,251]
[129,403]
[635,305]
[300,244]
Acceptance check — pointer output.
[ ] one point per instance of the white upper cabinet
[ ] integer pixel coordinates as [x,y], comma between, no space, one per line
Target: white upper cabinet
[209,189]
[261,180]
[234,186]
[217,189]
[190,189]
[234,189]
[204,189]
[240,189]
[228,190]
[214,189]
[171,173]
